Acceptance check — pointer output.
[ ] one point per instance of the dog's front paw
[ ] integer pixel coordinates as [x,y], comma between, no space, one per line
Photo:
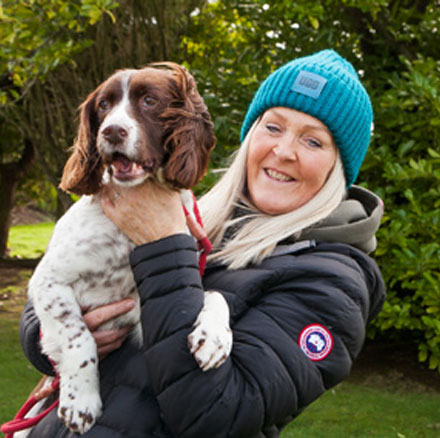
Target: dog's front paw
[79,411]
[211,341]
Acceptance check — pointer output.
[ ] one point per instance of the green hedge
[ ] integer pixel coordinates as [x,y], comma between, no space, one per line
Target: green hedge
[403,166]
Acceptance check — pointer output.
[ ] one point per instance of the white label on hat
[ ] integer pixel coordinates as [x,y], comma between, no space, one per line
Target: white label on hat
[309,84]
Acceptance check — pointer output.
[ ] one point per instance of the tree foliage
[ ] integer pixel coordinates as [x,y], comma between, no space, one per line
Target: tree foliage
[37,36]
[407,160]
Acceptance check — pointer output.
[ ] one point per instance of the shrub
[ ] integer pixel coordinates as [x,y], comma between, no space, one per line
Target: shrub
[403,167]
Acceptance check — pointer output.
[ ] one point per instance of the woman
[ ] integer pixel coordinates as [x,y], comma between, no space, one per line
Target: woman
[290,257]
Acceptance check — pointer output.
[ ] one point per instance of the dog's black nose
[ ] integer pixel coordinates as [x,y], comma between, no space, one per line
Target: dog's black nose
[114,134]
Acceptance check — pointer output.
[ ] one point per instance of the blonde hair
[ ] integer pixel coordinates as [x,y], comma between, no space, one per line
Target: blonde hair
[258,233]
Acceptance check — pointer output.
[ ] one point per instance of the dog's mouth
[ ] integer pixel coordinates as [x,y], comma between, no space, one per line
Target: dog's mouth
[124,169]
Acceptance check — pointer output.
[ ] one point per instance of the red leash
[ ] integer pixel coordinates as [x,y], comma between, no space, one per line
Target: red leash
[20,422]
[196,228]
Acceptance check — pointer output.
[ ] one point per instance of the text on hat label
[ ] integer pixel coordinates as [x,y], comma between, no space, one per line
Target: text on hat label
[309,84]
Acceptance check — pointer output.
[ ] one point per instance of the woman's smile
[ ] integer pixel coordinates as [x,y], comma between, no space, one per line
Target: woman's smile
[278,176]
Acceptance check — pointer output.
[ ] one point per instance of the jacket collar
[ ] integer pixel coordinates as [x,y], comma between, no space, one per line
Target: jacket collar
[354,222]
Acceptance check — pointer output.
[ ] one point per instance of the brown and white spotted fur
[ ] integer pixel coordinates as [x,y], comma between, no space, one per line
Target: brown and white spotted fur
[136,125]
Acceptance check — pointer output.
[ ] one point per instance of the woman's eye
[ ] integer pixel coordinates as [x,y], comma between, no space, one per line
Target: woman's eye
[149,101]
[104,105]
[314,143]
[272,128]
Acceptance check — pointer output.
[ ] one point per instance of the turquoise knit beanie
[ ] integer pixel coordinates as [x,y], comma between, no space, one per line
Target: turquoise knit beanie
[326,86]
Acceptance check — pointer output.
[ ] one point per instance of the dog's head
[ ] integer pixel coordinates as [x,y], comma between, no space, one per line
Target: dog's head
[138,123]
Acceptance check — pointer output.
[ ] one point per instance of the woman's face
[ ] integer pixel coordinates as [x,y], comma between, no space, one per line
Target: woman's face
[290,157]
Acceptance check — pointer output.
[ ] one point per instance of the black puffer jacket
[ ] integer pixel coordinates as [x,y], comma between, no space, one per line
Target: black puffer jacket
[298,322]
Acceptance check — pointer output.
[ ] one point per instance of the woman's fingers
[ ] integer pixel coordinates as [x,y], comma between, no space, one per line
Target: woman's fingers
[107,337]
[100,315]
[110,340]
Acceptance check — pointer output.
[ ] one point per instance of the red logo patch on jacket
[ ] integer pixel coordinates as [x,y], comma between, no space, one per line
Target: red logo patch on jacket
[316,342]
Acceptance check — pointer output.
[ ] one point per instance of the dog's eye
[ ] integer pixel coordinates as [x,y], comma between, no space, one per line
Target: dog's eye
[104,105]
[149,101]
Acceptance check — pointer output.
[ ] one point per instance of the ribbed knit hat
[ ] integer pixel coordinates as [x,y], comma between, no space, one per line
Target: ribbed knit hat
[326,86]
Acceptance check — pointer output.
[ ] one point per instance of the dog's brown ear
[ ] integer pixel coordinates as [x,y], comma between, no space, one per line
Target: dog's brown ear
[83,171]
[189,133]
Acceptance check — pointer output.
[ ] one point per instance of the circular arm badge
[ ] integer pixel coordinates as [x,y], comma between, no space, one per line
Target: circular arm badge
[316,342]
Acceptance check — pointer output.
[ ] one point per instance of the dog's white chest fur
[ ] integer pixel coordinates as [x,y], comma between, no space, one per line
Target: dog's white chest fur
[89,253]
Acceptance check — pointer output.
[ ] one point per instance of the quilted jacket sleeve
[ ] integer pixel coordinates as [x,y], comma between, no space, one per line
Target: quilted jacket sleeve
[268,379]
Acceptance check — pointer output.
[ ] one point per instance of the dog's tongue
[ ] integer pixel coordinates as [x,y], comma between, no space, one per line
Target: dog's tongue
[124,169]
[122,164]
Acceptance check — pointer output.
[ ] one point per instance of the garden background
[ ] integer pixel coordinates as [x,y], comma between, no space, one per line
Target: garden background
[54,52]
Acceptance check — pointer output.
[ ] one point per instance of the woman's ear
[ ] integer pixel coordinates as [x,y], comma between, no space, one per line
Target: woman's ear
[189,133]
[83,171]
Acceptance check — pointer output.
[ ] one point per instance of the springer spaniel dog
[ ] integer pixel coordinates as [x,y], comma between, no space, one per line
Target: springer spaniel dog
[138,124]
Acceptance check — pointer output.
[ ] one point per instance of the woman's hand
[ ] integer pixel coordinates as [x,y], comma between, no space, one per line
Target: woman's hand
[145,212]
[108,340]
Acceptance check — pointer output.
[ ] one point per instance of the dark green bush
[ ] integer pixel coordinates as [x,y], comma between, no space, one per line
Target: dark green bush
[405,155]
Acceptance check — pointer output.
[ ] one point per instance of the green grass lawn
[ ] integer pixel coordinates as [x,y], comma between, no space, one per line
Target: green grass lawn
[359,411]
[17,376]
[29,241]
[354,409]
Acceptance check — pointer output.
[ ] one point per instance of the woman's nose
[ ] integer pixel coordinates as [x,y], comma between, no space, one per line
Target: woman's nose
[286,149]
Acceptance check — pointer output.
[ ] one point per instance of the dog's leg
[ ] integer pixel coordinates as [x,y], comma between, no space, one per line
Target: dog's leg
[211,340]
[68,342]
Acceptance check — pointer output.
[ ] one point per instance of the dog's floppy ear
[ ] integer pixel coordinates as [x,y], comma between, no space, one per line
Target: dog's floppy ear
[83,171]
[189,133]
